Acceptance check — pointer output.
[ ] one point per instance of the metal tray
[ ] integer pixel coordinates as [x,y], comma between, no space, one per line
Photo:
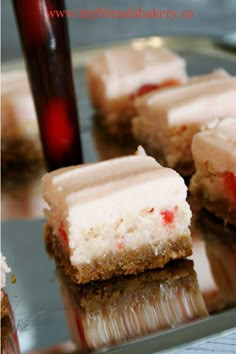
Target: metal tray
[35,297]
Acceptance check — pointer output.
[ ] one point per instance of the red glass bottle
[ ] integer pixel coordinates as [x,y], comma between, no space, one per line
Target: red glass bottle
[46,48]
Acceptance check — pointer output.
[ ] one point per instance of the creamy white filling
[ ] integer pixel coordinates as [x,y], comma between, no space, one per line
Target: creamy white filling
[189,104]
[4,270]
[142,229]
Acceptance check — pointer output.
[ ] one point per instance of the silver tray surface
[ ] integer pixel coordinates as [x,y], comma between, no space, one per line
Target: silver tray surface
[35,297]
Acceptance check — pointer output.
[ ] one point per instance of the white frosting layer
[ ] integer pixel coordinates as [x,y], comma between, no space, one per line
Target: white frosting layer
[123,70]
[123,200]
[217,144]
[4,270]
[18,112]
[215,74]
[189,104]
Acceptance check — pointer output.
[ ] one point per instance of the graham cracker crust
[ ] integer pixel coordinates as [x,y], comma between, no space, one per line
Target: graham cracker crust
[220,207]
[123,262]
[20,152]
[6,323]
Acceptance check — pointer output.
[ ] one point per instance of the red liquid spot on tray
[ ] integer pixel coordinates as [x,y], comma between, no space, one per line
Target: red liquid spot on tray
[59,132]
[63,234]
[229,180]
[168,216]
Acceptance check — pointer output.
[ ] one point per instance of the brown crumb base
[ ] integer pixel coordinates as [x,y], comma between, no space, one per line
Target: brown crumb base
[123,262]
[6,324]
[109,147]
[117,125]
[185,169]
[20,152]
[221,208]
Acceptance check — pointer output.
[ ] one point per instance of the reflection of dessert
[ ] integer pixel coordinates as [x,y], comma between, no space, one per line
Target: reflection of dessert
[107,313]
[119,75]
[214,255]
[116,217]
[214,154]
[19,129]
[167,120]
[9,341]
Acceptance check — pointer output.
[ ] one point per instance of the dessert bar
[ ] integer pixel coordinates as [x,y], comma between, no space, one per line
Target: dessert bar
[19,129]
[167,120]
[214,154]
[119,75]
[116,217]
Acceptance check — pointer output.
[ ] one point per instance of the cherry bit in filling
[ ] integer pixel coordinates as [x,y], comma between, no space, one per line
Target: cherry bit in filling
[143,90]
[168,216]
[120,245]
[229,181]
[63,236]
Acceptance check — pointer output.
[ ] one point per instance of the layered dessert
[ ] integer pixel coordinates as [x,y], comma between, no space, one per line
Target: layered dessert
[19,129]
[119,75]
[116,217]
[214,255]
[9,341]
[214,154]
[167,120]
[103,314]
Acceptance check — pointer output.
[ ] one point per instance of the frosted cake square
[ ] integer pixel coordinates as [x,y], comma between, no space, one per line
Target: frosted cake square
[19,128]
[214,154]
[119,75]
[116,217]
[167,120]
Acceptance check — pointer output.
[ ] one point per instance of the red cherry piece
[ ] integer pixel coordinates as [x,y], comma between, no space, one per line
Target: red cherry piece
[151,210]
[143,90]
[58,129]
[229,180]
[120,245]
[168,216]
[63,234]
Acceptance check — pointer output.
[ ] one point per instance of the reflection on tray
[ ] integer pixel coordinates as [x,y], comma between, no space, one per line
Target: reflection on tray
[214,255]
[102,314]
[9,338]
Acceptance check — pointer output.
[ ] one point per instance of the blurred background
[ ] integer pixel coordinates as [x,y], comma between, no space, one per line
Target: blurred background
[211,18]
